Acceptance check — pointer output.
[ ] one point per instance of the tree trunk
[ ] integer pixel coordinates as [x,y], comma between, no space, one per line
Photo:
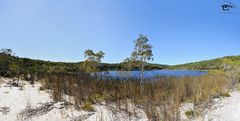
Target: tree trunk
[142,75]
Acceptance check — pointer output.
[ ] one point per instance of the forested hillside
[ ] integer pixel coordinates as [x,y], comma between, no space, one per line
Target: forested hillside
[214,64]
[13,65]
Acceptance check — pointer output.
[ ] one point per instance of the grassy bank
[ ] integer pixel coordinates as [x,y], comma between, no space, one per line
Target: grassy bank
[160,99]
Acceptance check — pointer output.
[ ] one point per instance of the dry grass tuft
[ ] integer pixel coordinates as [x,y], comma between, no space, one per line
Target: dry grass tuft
[160,99]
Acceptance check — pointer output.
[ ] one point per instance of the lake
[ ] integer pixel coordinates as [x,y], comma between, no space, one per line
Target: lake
[153,73]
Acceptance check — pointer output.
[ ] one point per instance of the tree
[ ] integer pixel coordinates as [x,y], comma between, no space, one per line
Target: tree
[92,60]
[142,53]
[6,51]
[6,59]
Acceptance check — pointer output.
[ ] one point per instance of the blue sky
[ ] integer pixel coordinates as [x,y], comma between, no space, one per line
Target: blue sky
[180,31]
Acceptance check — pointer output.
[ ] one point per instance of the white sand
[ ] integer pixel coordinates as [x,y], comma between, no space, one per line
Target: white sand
[17,100]
[13,101]
[226,109]
[223,109]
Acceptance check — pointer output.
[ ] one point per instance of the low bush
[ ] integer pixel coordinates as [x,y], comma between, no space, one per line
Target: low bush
[88,106]
[225,94]
[190,114]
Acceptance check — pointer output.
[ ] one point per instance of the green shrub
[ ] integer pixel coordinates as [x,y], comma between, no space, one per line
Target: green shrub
[190,114]
[88,106]
[225,94]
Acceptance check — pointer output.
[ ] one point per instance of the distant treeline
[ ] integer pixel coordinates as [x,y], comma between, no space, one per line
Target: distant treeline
[13,65]
[121,66]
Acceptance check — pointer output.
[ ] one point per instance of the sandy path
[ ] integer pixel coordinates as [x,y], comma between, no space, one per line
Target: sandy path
[226,109]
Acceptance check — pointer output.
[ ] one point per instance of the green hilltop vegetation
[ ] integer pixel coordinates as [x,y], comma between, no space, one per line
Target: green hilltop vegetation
[214,64]
[11,65]
[121,66]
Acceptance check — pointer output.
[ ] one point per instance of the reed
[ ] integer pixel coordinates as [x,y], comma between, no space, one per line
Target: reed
[160,99]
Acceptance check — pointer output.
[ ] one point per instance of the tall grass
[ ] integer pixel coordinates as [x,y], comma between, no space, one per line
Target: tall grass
[160,99]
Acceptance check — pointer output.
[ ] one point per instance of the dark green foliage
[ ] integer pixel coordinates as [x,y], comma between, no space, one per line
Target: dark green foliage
[190,113]
[12,66]
[5,62]
[121,66]
[214,64]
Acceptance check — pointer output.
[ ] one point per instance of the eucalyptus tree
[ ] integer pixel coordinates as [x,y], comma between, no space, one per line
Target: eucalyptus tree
[92,60]
[142,53]
[6,51]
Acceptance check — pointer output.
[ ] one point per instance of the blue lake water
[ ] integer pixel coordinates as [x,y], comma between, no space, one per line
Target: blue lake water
[153,73]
